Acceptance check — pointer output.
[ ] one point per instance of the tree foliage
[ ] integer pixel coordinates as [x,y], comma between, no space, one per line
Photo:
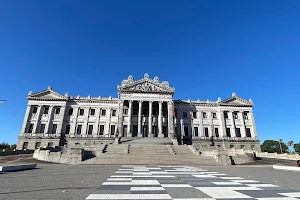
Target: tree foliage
[6,146]
[272,146]
[297,148]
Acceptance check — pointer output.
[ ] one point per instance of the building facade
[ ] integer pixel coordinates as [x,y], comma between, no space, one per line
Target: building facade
[144,108]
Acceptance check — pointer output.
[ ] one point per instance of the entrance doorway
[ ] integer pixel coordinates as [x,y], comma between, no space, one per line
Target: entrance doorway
[145,131]
[155,131]
[186,131]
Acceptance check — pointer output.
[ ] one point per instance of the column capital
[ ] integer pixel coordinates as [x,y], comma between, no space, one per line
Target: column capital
[160,102]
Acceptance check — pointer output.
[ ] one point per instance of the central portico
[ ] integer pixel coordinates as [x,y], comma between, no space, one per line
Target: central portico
[145,108]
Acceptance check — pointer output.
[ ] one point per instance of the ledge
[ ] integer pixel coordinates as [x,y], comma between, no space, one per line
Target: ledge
[287,168]
[14,168]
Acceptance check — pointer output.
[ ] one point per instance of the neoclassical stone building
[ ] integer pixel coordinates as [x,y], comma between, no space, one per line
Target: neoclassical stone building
[144,108]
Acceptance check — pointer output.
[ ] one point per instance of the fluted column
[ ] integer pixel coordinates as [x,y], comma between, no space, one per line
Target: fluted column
[232,128]
[243,129]
[140,120]
[25,122]
[129,125]
[38,116]
[254,133]
[170,119]
[160,133]
[150,120]
[61,120]
[50,120]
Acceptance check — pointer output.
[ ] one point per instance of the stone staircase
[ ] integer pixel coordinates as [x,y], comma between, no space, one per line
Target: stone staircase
[140,153]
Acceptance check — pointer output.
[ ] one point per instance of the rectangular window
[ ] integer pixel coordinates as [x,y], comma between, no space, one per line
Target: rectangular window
[103,112]
[68,127]
[154,112]
[112,129]
[90,131]
[46,110]
[228,132]
[50,144]
[164,113]
[57,111]
[238,132]
[101,130]
[195,115]
[184,115]
[42,129]
[231,146]
[125,111]
[70,111]
[78,132]
[204,115]
[92,112]
[114,112]
[206,132]
[226,115]
[248,132]
[34,109]
[81,111]
[245,115]
[216,132]
[242,146]
[37,145]
[214,115]
[196,131]
[135,111]
[30,128]
[54,127]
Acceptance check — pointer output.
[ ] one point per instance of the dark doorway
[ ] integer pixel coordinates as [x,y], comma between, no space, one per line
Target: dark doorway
[165,132]
[154,130]
[186,131]
[145,131]
[134,131]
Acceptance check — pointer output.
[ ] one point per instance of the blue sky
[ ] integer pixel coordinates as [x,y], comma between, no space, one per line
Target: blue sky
[205,49]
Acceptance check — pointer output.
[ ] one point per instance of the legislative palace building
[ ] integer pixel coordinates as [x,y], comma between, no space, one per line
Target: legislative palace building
[144,108]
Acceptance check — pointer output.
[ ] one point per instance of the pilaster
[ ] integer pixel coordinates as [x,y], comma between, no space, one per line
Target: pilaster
[222,130]
[50,120]
[120,117]
[243,129]
[61,120]
[74,121]
[107,124]
[96,127]
[25,122]
[38,116]
[232,127]
[254,133]
[170,119]
[85,123]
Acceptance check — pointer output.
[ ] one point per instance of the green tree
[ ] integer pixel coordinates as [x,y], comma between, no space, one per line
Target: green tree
[273,146]
[13,146]
[297,147]
[291,144]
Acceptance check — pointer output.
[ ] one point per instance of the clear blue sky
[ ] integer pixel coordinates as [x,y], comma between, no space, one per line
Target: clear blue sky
[205,49]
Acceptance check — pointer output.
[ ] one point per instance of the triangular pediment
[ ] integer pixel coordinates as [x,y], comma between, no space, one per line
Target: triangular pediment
[47,95]
[236,101]
[146,86]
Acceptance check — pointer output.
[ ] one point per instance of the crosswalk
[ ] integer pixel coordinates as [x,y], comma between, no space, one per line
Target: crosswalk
[185,183]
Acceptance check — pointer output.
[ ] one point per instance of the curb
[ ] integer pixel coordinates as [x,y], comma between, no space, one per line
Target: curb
[14,168]
[288,168]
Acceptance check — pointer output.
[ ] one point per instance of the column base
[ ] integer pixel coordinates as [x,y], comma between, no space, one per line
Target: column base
[150,134]
[140,135]
[161,135]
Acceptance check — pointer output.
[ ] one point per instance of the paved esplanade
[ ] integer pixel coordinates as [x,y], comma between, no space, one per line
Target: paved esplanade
[66,182]
[184,183]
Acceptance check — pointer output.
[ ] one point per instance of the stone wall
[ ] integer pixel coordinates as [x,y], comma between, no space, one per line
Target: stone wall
[70,156]
[279,156]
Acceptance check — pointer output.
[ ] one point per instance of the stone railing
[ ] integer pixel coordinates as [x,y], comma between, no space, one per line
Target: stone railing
[284,156]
